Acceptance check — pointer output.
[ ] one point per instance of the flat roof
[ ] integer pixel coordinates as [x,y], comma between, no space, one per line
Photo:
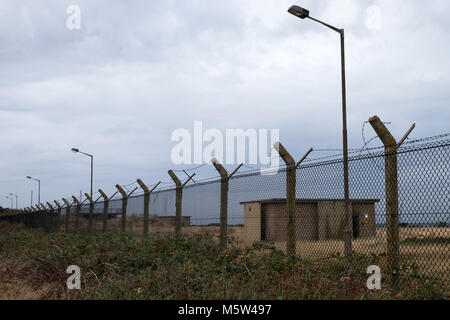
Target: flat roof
[280,200]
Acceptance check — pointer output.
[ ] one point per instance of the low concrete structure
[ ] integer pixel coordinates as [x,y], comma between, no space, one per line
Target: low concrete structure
[315,219]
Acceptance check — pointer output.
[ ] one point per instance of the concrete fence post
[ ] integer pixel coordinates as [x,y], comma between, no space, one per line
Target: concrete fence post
[391,189]
[290,197]
[67,203]
[58,219]
[291,169]
[178,199]
[53,224]
[124,207]
[77,213]
[147,193]
[91,211]
[105,209]
[225,178]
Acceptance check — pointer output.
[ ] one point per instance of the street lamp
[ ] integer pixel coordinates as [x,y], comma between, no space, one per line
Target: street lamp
[17,197]
[302,13]
[75,150]
[39,190]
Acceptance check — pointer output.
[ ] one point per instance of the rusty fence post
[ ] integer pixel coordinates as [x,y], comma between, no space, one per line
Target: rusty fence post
[147,193]
[225,178]
[58,219]
[105,209]
[178,199]
[391,190]
[291,173]
[67,217]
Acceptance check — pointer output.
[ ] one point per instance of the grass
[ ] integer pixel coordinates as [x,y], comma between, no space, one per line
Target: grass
[122,266]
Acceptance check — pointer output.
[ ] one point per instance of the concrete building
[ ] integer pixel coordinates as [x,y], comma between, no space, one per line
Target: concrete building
[315,219]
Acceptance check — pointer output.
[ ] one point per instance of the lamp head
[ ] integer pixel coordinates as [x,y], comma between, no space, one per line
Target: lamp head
[300,12]
[28,177]
[75,150]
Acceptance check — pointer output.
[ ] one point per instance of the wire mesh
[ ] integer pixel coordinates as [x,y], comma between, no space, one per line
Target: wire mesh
[257,209]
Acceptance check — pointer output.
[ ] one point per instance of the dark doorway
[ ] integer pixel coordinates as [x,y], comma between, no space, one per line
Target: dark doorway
[355,226]
[263,226]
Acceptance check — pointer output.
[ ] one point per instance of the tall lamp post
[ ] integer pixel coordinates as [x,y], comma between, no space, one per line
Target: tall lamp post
[75,150]
[302,14]
[39,188]
[17,198]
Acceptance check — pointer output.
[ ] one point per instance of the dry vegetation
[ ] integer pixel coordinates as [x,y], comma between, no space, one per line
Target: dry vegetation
[125,266]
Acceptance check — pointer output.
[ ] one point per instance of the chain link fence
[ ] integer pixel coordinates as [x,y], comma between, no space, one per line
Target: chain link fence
[412,242]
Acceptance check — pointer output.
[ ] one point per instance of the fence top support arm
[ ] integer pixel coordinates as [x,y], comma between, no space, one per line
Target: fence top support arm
[57,204]
[304,158]
[223,173]
[50,206]
[66,202]
[284,154]
[75,200]
[383,133]
[175,179]
[406,135]
[190,178]
[88,197]
[156,186]
[143,186]
[235,170]
[105,197]
[122,192]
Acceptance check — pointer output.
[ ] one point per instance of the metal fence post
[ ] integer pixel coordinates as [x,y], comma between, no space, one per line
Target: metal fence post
[105,209]
[67,214]
[147,194]
[391,189]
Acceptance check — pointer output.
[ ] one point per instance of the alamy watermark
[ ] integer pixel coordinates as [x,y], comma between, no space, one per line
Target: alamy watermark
[374,281]
[73,22]
[74,280]
[373,17]
[234,146]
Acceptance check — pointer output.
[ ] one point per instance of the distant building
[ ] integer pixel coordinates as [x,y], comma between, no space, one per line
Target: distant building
[315,219]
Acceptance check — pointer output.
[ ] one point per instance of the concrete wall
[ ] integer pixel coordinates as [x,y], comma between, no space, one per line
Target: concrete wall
[275,215]
[252,222]
[322,220]
[331,216]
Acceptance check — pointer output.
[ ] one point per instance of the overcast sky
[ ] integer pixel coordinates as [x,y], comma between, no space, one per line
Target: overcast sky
[138,70]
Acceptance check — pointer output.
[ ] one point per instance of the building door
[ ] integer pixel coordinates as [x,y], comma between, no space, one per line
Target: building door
[356,232]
